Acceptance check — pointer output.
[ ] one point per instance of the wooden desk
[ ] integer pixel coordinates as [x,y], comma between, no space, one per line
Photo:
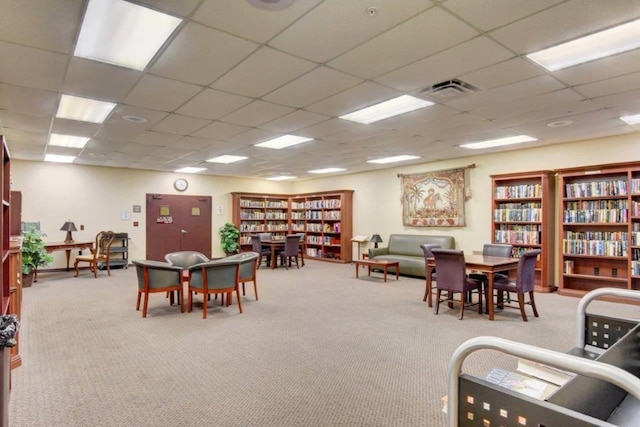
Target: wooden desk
[63,246]
[488,265]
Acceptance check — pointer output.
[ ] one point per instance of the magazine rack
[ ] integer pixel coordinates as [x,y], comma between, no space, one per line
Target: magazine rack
[605,391]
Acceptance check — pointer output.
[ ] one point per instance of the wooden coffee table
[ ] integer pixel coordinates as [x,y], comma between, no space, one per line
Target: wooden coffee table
[383,265]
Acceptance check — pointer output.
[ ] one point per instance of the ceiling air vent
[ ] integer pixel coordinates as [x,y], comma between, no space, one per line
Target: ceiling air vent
[271,4]
[447,90]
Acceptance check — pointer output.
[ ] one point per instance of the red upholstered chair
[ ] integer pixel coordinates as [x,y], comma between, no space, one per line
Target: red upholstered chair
[524,283]
[452,278]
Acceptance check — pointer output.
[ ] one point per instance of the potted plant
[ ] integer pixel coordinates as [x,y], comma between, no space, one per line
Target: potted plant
[229,236]
[34,255]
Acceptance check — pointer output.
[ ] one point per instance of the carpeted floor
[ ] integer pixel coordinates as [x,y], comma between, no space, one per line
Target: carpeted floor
[320,348]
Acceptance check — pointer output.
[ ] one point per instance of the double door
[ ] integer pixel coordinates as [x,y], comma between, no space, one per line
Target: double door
[178,223]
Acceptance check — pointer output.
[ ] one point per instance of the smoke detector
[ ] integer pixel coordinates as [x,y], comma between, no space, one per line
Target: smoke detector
[448,89]
[271,4]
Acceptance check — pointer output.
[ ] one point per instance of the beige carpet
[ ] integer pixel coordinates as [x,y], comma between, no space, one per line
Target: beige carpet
[320,348]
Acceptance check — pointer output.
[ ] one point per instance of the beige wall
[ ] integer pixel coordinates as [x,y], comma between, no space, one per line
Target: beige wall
[95,196]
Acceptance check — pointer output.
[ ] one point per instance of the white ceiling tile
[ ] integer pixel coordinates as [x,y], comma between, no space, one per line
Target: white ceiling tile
[464,58]
[219,130]
[97,80]
[336,26]
[73,127]
[181,125]
[513,108]
[549,113]
[265,70]
[610,86]
[159,139]
[43,25]
[25,137]
[312,87]
[104,146]
[27,100]
[488,15]
[256,113]
[158,93]
[151,116]
[252,136]
[404,44]
[27,64]
[293,121]
[190,143]
[31,122]
[242,19]
[119,132]
[352,99]
[564,22]
[213,104]
[172,7]
[503,73]
[327,128]
[200,55]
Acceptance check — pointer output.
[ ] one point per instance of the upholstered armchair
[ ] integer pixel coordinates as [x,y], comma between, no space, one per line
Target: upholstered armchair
[219,276]
[248,269]
[157,276]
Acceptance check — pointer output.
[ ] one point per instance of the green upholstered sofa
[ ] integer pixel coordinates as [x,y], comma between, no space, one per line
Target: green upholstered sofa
[405,248]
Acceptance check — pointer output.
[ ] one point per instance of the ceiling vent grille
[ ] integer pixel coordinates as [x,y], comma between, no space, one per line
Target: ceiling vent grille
[447,90]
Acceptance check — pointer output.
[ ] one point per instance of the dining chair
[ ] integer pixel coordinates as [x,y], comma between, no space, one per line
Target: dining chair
[100,253]
[452,278]
[263,252]
[524,283]
[302,248]
[219,276]
[157,276]
[493,249]
[291,250]
[248,270]
[426,250]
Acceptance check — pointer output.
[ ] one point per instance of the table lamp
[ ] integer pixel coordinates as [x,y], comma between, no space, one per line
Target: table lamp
[375,239]
[69,227]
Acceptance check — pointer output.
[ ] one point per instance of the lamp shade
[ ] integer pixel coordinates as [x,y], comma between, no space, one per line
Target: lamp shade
[376,238]
[68,226]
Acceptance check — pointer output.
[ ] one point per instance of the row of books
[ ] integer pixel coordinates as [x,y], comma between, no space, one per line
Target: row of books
[594,216]
[595,247]
[635,268]
[320,215]
[277,215]
[324,228]
[518,191]
[323,204]
[597,235]
[597,188]
[519,237]
[597,204]
[525,214]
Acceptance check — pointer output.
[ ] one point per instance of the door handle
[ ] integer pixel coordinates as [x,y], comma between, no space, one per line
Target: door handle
[184,231]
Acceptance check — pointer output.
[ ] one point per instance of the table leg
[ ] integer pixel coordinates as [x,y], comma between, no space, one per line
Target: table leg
[68,251]
[427,292]
[398,272]
[356,271]
[386,267]
[489,297]
[274,262]
[369,267]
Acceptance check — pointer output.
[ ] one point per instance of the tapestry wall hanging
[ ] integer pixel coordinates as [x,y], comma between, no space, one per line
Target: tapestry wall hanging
[433,199]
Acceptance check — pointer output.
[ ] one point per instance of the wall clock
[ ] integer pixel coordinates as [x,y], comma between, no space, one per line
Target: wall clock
[180,184]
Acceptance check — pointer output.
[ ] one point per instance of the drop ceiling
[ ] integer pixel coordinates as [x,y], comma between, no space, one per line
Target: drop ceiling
[233,75]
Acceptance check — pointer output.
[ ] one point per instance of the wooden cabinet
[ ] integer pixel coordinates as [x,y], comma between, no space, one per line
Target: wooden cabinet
[15,292]
[325,218]
[600,227]
[523,216]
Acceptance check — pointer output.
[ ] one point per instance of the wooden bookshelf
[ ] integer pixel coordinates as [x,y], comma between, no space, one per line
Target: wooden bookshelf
[600,227]
[523,216]
[325,218]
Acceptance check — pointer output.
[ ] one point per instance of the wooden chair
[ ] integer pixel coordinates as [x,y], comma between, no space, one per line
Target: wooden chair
[156,276]
[214,277]
[524,283]
[452,278]
[426,250]
[291,250]
[262,252]
[100,253]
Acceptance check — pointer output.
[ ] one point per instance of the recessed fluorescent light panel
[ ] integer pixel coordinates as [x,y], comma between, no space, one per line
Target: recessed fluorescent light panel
[58,159]
[189,169]
[281,178]
[595,46]
[328,170]
[631,120]
[84,109]
[122,33]
[499,142]
[384,110]
[226,159]
[68,140]
[393,159]
[283,141]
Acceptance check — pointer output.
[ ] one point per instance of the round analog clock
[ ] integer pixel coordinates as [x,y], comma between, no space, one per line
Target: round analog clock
[180,184]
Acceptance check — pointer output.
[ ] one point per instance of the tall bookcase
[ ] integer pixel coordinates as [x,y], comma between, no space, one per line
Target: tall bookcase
[523,216]
[5,272]
[600,228]
[326,219]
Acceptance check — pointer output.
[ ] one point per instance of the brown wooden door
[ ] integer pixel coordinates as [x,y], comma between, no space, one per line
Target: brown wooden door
[178,223]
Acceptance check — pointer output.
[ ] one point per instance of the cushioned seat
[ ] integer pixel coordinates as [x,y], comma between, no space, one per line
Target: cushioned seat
[405,248]
[156,276]
[248,269]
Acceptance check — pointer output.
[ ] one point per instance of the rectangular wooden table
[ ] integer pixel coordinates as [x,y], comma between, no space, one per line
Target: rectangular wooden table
[384,265]
[488,265]
[64,246]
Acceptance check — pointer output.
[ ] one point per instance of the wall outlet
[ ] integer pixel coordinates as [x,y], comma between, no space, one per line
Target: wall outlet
[614,272]
[596,271]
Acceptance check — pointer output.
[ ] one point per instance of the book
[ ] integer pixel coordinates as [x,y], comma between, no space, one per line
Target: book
[544,372]
[524,384]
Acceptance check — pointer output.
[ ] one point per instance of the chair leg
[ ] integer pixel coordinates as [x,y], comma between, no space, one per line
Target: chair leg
[75,265]
[480,299]
[190,301]
[297,266]
[463,301]
[181,298]
[95,270]
[243,293]
[145,304]
[533,304]
[138,301]
[204,304]
[239,299]
[438,294]
[255,288]
[171,298]
[521,304]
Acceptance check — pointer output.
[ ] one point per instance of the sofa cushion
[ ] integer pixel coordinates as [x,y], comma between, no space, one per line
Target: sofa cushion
[409,244]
